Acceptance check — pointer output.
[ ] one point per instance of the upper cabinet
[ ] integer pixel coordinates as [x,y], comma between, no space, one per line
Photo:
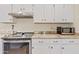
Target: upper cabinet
[68,12]
[22,7]
[59,13]
[38,13]
[43,13]
[49,13]
[4,10]
[53,13]
[22,11]
[64,13]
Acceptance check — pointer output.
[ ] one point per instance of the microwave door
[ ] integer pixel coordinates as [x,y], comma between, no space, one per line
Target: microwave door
[66,30]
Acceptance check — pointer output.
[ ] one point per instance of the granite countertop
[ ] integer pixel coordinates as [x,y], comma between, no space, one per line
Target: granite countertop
[15,37]
[55,36]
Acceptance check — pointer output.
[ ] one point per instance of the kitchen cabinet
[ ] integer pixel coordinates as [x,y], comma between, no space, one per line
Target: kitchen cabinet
[68,13]
[43,13]
[49,13]
[70,49]
[46,46]
[40,46]
[64,13]
[1,46]
[4,10]
[22,7]
[53,13]
[70,46]
[55,46]
[55,49]
[37,12]
[59,13]
[70,41]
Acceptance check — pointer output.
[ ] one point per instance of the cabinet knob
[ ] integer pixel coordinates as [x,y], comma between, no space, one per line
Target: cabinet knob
[51,47]
[53,5]
[32,47]
[23,8]
[62,48]
[55,41]
[40,41]
[62,19]
[71,41]
[65,19]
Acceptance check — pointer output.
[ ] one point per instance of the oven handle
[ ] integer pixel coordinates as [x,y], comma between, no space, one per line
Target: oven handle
[16,41]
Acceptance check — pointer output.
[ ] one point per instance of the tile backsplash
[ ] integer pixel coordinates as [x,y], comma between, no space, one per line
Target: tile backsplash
[26,25]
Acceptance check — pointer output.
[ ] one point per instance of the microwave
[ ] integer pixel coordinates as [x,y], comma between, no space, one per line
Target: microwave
[66,30]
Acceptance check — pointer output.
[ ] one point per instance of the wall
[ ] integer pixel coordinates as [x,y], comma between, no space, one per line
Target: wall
[76,20]
[24,25]
[27,25]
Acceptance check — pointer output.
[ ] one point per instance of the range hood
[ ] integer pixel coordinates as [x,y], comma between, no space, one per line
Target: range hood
[21,14]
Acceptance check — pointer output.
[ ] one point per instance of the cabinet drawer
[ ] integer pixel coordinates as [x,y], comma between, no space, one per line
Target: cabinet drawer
[40,41]
[70,41]
[55,41]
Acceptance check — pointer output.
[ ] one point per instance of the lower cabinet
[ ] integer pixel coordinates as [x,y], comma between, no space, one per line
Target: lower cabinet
[40,46]
[1,46]
[45,46]
[70,49]
[55,46]
[55,49]
[40,50]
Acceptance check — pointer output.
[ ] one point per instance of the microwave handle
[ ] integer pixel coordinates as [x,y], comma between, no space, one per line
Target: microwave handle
[73,30]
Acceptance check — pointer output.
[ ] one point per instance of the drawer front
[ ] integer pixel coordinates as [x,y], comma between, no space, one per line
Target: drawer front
[70,41]
[40,41]
[55,41]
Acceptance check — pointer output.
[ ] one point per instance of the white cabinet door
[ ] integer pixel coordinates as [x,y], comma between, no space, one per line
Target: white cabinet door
[68,12]
[49,13]
[4,10]
[1,46]
[70,46]
[43,13]
[37,12]
[22,7]
[59,13]
[55,46]
[70,49]
[40,46]
[55,49]
[40,49]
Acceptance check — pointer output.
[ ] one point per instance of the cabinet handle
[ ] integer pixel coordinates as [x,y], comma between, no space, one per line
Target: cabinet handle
[40,41]
[65,19]
[23,8]
[62,48]
[71,41]
[55,41]
[53,5]
[32,47]
[44,19]
[51,47]
[62,19]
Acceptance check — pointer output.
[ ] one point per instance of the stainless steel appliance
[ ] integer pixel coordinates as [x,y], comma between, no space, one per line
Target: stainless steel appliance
[66,30]
[17,44]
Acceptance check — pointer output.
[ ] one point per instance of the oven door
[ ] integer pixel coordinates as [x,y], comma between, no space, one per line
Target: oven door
[67,31]
[17,46]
